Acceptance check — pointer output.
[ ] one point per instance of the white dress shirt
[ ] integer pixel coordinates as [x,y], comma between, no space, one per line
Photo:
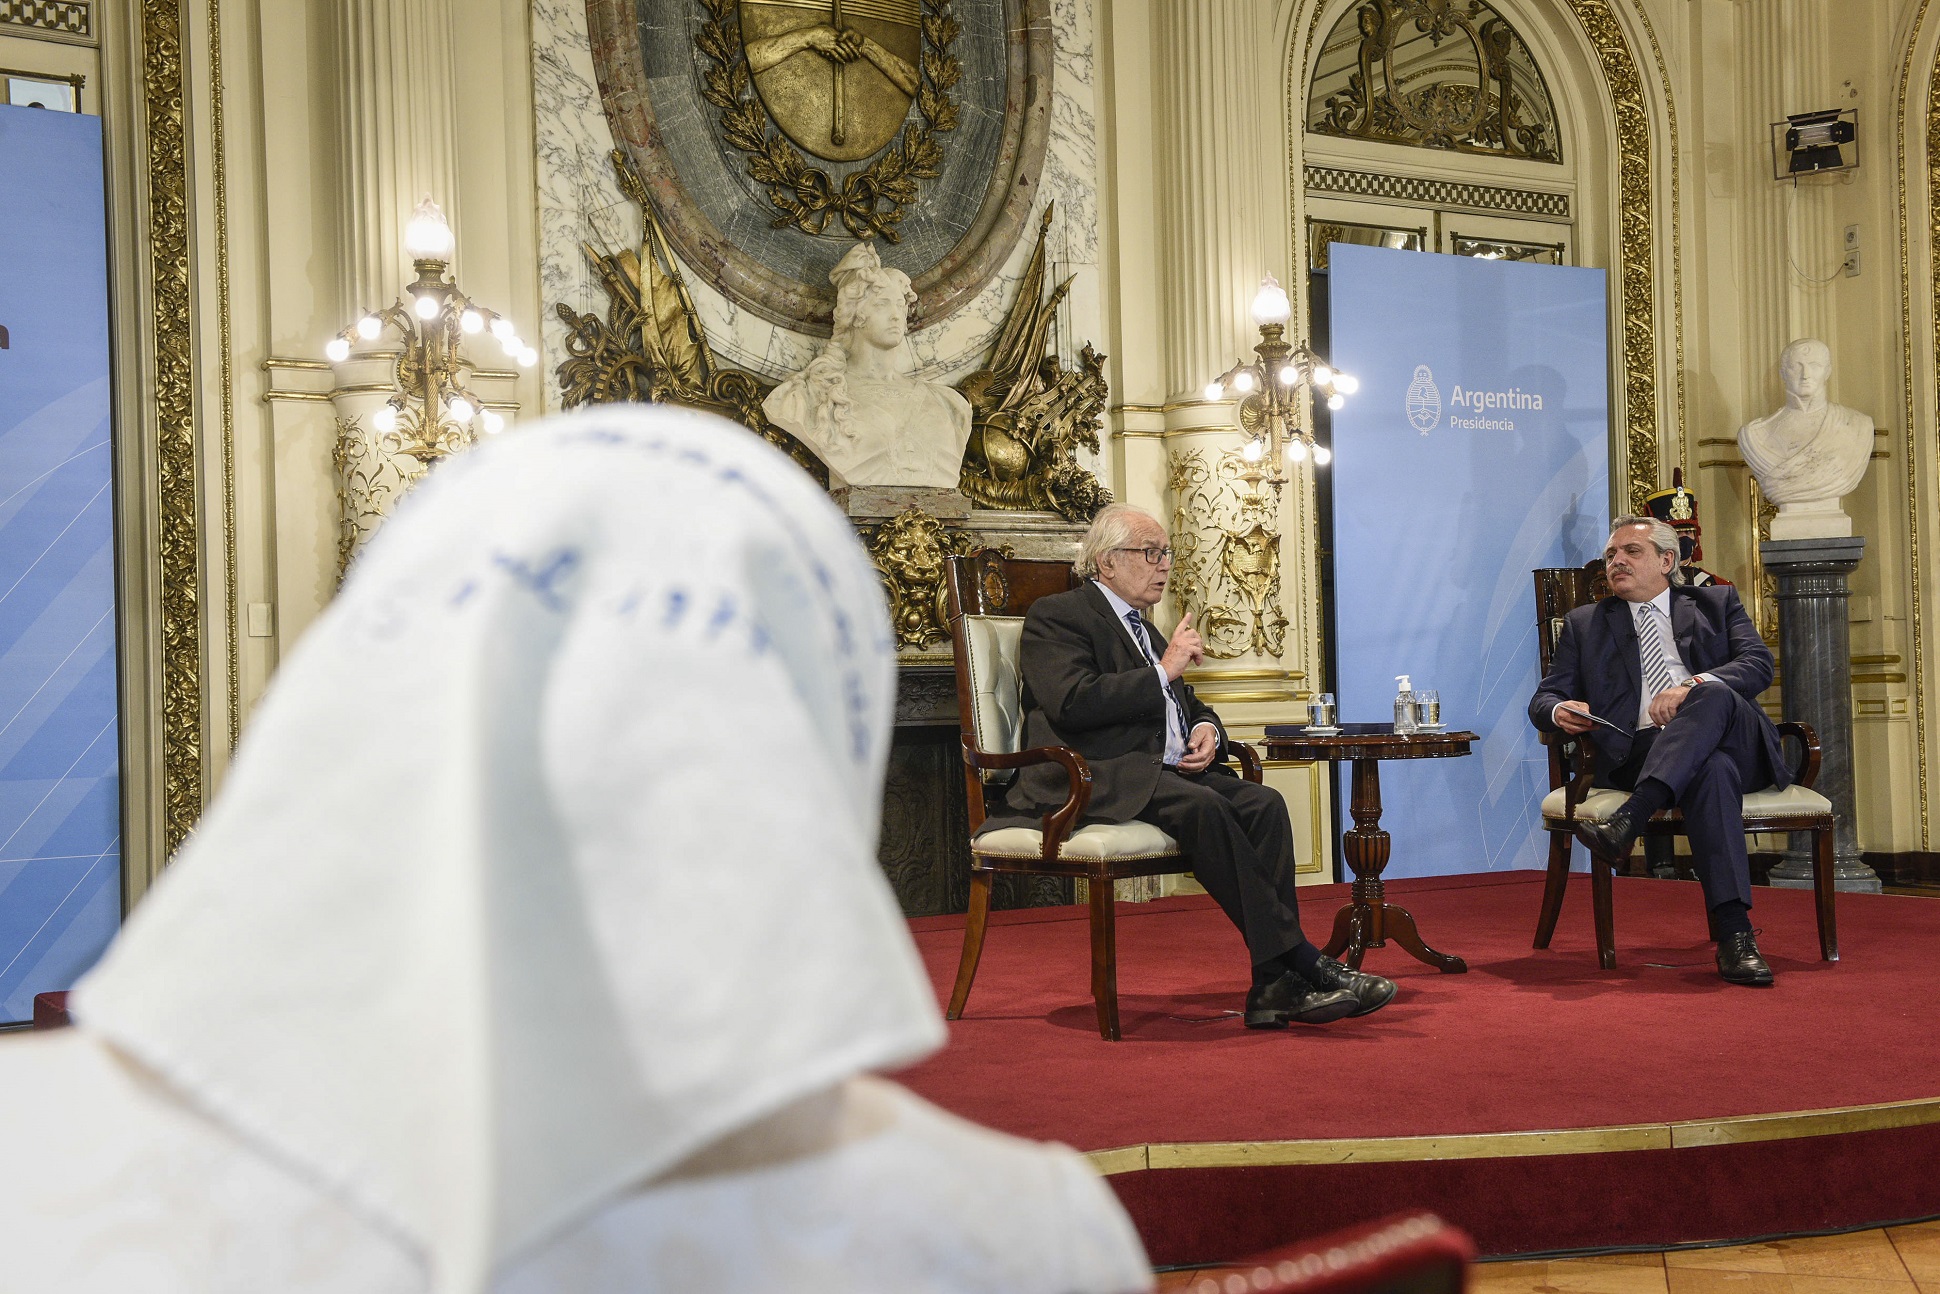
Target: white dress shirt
[1175,719]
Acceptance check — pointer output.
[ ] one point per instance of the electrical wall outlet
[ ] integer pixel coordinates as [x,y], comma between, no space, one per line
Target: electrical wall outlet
[1852,238]
[1852,265]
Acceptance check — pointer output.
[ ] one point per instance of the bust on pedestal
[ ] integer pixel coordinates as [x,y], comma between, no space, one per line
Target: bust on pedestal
[874,426]
[1810,454]
[1807,457]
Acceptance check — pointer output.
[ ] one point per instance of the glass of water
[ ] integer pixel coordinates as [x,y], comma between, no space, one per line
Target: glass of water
[1320,710]
[1428,706]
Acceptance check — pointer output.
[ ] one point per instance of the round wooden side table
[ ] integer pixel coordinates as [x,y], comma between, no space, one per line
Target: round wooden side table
[1369,920]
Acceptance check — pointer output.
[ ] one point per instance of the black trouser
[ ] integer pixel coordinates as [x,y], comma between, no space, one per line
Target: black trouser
[1239,841]
[1710,754]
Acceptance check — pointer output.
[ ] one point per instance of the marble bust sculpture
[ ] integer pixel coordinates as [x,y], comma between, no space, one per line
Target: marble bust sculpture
[868,421]
[1811,453]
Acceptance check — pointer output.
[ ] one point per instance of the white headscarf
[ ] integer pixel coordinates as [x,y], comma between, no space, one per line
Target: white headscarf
[550,857]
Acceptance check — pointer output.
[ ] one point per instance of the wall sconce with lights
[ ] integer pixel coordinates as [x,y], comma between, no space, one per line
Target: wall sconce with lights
[400,410]
[1273,390]
[432,413]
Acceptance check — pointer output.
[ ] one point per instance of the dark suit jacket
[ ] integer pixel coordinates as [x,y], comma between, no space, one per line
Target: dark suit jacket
[1596,661]
[1087,687]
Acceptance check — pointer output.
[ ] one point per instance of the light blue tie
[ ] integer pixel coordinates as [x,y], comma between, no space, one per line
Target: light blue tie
[1174,719]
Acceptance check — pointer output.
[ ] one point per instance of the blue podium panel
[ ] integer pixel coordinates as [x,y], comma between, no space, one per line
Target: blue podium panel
[60,781]
[1475,451]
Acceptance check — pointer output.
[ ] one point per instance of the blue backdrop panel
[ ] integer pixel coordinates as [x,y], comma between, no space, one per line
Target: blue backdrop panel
[1476,450]
[60,794]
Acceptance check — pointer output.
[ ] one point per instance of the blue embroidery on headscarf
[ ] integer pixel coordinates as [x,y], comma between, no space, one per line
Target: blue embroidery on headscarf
[543,580]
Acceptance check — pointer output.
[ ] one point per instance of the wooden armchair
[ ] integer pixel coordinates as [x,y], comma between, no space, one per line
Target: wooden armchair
[1573,799]
[987,595]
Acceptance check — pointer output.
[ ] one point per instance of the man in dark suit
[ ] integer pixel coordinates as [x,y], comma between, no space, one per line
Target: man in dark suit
[1675,671]
[1100,679]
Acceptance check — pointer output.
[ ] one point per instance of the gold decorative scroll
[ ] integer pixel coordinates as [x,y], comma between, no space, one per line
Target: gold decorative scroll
[1226,554]
[908,550]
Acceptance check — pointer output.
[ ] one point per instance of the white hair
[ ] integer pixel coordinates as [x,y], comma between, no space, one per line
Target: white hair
[1662,538]
[1111,528]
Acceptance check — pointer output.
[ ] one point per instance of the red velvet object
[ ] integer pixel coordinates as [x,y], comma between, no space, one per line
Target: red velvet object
[1416,1253]
[50,1011]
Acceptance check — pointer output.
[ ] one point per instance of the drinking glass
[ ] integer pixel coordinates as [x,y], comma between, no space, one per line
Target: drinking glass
[1428,705]
[1320,710]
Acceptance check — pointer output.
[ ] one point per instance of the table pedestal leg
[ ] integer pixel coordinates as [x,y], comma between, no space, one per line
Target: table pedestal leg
[1369,919]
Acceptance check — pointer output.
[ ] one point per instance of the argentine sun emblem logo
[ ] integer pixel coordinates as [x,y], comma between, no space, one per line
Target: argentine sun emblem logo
[1424,401]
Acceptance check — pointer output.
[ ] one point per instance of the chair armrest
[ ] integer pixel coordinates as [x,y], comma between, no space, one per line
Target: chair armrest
[1808,770]
[1058,823]
[1249,760]
[1573,759]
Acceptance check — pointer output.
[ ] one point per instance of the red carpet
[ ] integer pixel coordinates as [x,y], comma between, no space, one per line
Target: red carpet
[1524,1041]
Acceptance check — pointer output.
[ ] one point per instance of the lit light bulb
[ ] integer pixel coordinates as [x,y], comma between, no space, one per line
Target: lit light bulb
[1337,401]
[502,329]
[460,408]
[494,422]
[1322,455]
[1323,374]
[1215,390]
[385,419]
[528,356]
[369,326]
[1289,376]
[1250,451]
[427,237]
[1297,449]
[1271,306]
[337,350]
[426,306]
[471,321]
[510,342]
[1346,383]
[1243,381]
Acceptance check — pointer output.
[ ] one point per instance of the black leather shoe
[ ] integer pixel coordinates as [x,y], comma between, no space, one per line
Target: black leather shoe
[1611,838]
[1739,962]
[1371,992]
[1271,1006]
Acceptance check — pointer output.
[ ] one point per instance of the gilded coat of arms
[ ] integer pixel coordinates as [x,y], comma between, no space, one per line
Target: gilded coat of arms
[833,80]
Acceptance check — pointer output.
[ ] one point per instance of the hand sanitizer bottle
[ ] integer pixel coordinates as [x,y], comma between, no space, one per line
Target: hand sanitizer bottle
[1404,705]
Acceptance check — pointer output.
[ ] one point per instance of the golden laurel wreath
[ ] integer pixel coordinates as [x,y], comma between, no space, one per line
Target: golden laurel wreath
[870,202]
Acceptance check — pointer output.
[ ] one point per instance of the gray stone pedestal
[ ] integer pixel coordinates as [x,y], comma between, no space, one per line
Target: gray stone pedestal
[1815,648]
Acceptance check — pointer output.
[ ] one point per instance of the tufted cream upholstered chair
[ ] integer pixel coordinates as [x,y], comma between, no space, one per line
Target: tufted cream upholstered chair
[1573,799]
[987,595]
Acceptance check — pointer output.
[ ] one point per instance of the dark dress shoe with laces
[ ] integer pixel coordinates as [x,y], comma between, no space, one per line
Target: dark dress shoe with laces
[1371,992]
[1739,962]
[1271,1006]
[1611,838]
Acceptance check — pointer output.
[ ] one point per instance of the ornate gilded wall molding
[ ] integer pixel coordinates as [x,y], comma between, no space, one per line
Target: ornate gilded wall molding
[1636,244]
[231,601]
[1436,193]
[164,86]
[1226,554]
[1930,135]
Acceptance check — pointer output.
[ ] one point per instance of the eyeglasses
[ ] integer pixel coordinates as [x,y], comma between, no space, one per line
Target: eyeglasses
[1153,556]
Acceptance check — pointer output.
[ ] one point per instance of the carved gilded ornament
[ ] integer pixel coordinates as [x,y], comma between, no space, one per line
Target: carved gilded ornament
[1030,415]
[1434,74]
[834,81]
[908,550]
[179,547]
[1226,554]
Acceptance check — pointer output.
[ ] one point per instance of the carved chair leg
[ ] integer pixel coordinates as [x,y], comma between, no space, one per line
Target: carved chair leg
[1822,881]
[1606,926]
[1104,956]
[973,930]
[1553,886]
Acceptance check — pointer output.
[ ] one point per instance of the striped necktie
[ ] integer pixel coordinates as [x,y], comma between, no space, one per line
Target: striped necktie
[1655,650]
[1175,718]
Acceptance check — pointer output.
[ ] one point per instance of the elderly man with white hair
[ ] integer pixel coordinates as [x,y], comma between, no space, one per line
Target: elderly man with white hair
[1672,671]
[1099,678]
